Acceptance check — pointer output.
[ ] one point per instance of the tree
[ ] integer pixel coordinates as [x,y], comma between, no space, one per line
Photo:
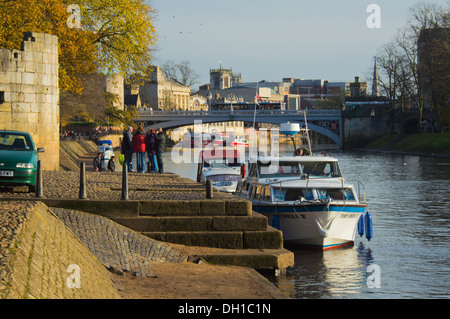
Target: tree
[124,34]
[77,52]
[180,72]
[416,63]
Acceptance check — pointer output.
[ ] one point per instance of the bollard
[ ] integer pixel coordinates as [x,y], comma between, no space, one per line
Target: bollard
[82,194]
[209,189]
[125,182]
[38,187]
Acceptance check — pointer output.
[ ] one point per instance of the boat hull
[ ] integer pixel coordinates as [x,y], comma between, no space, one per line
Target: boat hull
[321,227]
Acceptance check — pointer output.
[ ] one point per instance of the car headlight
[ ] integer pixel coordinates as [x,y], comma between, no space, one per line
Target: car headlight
[25,165]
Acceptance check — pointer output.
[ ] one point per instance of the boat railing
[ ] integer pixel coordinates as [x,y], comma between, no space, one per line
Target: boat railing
[361,187]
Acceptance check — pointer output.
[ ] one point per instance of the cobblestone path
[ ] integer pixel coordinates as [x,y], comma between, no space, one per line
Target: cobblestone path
[119,248]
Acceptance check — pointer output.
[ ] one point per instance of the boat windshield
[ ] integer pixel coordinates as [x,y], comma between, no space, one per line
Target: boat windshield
[323,169]
[224,177]
[293,194]
[279,169]
[292,168]
[221,162]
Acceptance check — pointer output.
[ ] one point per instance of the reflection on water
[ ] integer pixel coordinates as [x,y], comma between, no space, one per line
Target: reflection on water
[331,274]
[409,201]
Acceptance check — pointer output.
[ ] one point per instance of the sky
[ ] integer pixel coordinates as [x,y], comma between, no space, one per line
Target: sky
[272,40]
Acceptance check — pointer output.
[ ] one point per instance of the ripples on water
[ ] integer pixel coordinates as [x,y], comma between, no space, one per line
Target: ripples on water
[409,201]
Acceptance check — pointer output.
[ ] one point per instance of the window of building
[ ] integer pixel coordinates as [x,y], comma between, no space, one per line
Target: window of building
[2,97]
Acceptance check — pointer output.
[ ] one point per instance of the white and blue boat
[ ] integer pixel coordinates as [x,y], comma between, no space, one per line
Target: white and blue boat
[307,198]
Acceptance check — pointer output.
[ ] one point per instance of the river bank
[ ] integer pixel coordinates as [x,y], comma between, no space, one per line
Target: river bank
[423,144]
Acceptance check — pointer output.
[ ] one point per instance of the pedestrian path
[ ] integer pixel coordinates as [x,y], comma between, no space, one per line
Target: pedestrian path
[118,248]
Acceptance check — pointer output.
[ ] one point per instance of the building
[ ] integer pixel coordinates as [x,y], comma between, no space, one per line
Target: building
[358,89]
[114,84]
[221,79]
[317,88]
[29,93]
[160,93]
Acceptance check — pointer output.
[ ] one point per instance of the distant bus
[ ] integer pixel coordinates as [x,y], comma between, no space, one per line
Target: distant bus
[218,106]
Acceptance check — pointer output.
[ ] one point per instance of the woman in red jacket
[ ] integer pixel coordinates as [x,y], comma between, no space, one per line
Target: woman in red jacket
[139,149]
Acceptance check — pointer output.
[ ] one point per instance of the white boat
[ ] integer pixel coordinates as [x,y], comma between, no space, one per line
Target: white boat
[306,197]
[223,167]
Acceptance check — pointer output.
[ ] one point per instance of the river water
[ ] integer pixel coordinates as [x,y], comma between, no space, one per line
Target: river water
[408,257]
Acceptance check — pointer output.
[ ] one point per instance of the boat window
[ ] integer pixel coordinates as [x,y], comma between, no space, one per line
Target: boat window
[224,177]
[329,169]
[266,195]
[291,194]
[258,192]
[238,188]
[336,194]
[253,172]
[278,169]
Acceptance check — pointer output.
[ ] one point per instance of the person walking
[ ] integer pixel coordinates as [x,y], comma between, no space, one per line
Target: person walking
[127,147]
[159,146]
[139,142]
[151,136]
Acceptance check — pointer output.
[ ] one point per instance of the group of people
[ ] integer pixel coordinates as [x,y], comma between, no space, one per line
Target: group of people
[140,143]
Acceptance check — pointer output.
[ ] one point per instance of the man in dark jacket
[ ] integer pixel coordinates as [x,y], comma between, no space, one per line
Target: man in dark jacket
[159,146]
[127,147]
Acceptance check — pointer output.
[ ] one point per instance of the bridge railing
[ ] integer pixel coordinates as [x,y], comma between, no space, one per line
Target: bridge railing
[177,113]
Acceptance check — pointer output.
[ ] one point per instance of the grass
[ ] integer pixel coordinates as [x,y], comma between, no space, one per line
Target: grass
[423,142]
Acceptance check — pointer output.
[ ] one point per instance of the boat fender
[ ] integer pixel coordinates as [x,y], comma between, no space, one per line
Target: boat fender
[368,226]
[361,225]
[243,170]
[276,221]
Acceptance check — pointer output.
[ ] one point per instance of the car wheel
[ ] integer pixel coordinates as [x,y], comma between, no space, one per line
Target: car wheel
[31,188]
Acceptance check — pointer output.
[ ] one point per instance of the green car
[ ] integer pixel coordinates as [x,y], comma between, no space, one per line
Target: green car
[18,159]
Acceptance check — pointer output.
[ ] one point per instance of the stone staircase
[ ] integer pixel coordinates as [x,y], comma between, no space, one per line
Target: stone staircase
[214,223]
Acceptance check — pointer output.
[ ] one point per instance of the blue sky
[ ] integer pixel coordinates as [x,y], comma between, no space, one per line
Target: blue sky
[269,40]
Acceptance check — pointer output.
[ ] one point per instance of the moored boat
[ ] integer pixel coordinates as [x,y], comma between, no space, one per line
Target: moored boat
[223,166]
[306,197]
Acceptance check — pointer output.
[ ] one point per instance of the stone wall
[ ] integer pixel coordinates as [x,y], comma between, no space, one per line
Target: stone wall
[43,260]
[29,86]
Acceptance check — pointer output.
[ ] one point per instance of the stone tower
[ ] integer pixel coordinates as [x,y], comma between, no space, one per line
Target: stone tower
[220,79]
[115,84]
[375,86]
[29,86]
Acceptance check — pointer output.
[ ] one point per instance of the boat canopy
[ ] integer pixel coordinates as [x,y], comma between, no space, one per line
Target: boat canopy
[290,166]
[105,142]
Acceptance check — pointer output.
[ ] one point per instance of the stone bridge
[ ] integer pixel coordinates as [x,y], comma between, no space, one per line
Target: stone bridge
[325,122]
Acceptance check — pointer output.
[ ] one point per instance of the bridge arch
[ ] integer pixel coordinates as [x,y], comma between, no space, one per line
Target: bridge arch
[170,120]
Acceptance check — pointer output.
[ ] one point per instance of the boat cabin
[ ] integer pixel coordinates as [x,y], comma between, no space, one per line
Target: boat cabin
[293,179]
[223,167]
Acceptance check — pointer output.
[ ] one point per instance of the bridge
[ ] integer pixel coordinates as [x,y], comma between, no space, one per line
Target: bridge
[325,122]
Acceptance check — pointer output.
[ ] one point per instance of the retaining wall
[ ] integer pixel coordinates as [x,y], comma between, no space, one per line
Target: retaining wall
[43,258]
